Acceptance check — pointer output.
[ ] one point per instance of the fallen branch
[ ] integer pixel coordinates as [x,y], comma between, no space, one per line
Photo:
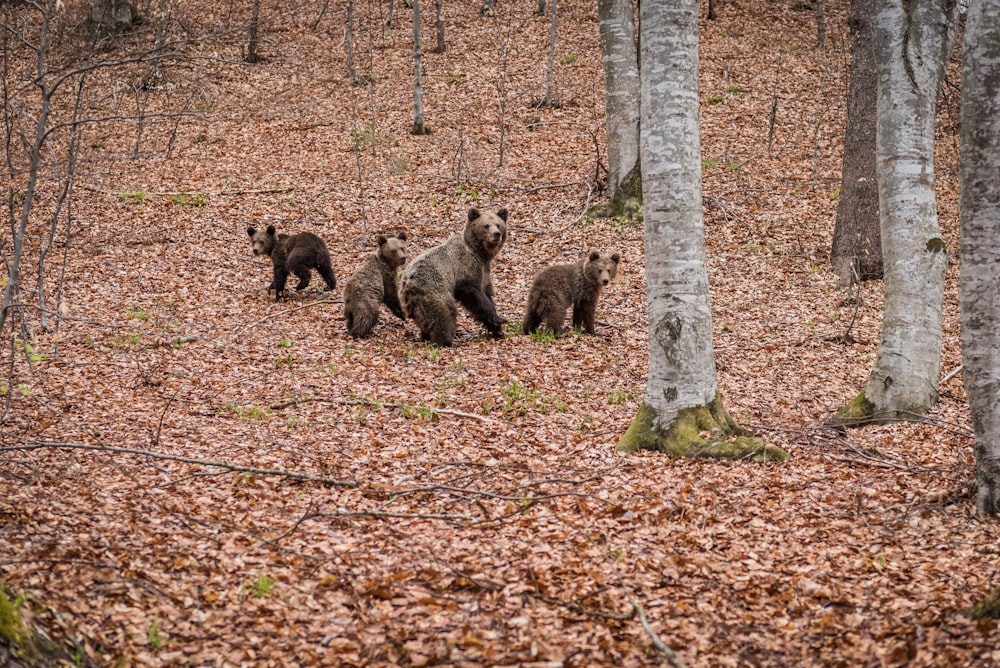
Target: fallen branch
[671,655]
[56,445]
[367,402]
[579,609]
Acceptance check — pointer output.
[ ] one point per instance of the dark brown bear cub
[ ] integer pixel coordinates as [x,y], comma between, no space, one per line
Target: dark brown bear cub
[295,254]
[374,284]
[560,286]
[458,269]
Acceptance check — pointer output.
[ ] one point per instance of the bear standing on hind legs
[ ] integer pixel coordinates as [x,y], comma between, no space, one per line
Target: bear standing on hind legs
[295,254]
[374,284]
[560,286]
[458,269]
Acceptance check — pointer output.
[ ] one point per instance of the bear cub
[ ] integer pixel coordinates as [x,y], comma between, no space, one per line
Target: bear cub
[456,271]
[560,286]
[374,284]
[295,254]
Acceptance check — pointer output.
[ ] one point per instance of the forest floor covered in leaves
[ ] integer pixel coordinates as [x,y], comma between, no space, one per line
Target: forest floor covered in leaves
[391,503]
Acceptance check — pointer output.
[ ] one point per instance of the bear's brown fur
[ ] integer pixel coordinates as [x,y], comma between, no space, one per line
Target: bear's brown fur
[295,254]
[374,284]
[560,286]
[458,269]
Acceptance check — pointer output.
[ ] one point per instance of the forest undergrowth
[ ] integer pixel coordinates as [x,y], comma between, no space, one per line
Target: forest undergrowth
[194,474]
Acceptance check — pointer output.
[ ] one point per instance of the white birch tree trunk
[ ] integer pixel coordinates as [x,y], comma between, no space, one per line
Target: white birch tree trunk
[621,87]
[682,412]
[913,40]
[980,246]
[418,95]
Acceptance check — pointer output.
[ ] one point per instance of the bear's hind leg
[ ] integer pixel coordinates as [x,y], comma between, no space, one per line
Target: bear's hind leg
[304,276]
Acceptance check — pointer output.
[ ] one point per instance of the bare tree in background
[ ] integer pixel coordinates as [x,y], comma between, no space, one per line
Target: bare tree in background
[111,16]
[438,27]
[979,176]
[252,56]
[857,245]
[913,42]
[550,100]
[621,100]
[418,96]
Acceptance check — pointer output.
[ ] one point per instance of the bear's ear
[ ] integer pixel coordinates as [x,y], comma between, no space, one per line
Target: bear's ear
[502,214]
[401,236]
[270,230]
[615,257]
[473,214]
[381,239]
[594,256]
[251,232]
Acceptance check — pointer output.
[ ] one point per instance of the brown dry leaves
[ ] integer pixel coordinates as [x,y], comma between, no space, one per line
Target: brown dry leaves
[492,522]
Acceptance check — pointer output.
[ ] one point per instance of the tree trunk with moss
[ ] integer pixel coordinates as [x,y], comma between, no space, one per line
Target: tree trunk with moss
[979,175]
[621,105]
[682,412]
[913,41]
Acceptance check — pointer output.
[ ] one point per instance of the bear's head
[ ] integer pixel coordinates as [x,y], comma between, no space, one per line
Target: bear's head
[486,232]
[602,268]
[263,240]
[392,250]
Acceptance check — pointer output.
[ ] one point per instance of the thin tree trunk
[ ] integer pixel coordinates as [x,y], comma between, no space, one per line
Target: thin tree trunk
[681,404]
[621,86]
[913,40]
[418,97]
[252,56]
[438,27]
[857,245]
[550,100]
[980,247]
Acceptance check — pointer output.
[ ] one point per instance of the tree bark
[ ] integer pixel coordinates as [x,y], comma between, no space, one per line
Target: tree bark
[550,99]
[979,175]
[621,86]
[681,412]
[418,96]
[913,40]
[857,246]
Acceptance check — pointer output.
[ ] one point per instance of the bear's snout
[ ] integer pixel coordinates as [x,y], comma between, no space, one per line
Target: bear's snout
[496,235]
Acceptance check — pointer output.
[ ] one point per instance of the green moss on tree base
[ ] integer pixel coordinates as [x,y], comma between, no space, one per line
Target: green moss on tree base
[860,411]
[989,607]
[701,431]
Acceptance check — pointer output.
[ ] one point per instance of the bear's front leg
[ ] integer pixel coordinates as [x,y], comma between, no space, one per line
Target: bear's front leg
[280,277]
[482,309]
[584,316]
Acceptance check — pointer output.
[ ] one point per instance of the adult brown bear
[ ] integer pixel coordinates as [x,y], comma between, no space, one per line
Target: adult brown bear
[456,272]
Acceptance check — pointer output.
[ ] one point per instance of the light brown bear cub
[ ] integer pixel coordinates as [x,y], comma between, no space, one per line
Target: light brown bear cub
[374,284]
[560,286]
[457,270]
[295,254]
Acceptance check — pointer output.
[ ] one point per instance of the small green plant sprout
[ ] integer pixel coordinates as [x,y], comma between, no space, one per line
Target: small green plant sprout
[585,423]
[260,587]
[155,637]
[418,412]
[132,196]
[185,199]
[616,397]
[125,341]
[568,59]
[709,163]
[733,89]
[136,313]
[284,360]
[457,364]
[834,194]
[468,191]
[714,98]
[29,351]
[543,335]
[452,78]
[734,167]
[285,343]
[432,352]
[23,389]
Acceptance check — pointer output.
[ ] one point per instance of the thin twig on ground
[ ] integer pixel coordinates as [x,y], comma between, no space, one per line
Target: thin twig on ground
[671,655]
[295,475]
